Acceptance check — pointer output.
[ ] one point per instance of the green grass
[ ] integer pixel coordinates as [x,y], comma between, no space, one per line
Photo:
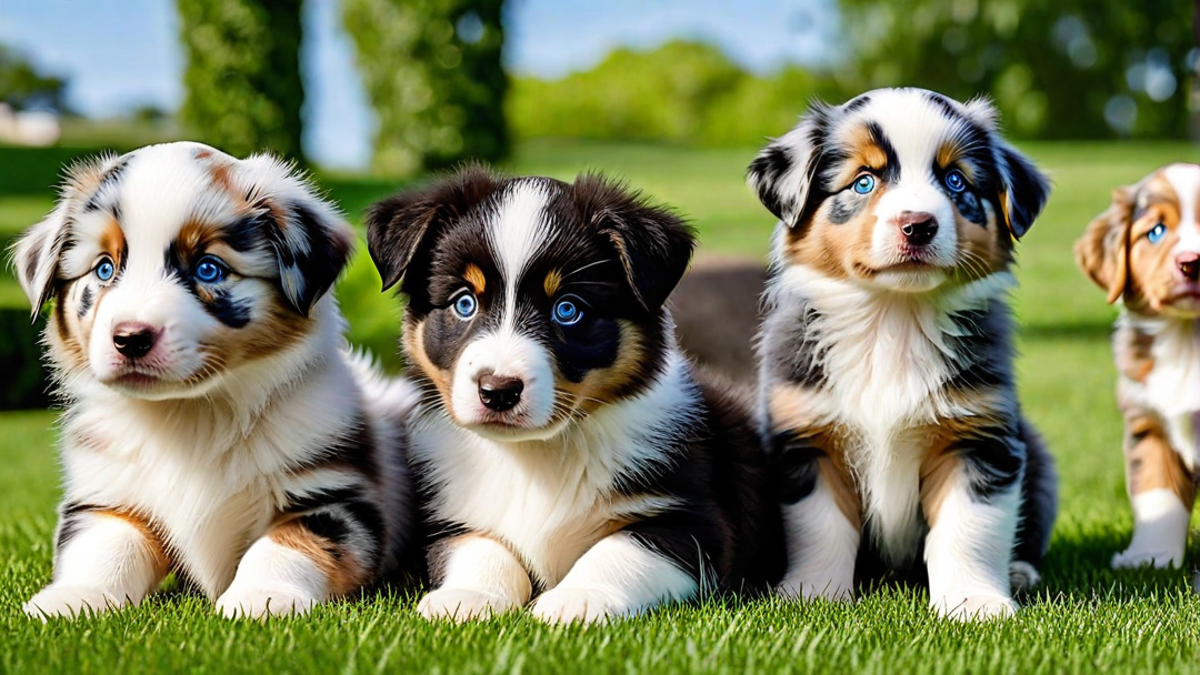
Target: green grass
[1085,618]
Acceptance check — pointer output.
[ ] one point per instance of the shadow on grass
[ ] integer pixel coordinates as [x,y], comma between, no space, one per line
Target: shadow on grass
[1084,331]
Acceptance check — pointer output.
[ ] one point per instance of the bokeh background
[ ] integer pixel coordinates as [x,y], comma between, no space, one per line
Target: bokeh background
[675,95]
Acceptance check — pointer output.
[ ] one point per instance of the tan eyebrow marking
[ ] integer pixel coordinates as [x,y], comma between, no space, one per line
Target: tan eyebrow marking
[474,276]
[553,282]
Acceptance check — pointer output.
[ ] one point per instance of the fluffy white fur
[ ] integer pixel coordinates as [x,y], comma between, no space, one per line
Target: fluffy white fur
[548,500]
[208,467]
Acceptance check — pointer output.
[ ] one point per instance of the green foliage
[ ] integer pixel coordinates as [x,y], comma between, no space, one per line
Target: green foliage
[680,92]
[244,91]
[433,73]
[1052,67]
[22,85]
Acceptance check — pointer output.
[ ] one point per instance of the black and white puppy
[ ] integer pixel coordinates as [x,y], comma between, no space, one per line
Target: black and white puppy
[215,424]
[563,443]
[887,391]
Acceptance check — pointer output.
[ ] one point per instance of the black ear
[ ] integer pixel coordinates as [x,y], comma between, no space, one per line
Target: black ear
[311,240]
[1024,190]
[398,225]
[653,243]
[784,173]
[310,263]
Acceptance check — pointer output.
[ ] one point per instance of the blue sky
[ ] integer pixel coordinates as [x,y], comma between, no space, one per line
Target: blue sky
[121,53]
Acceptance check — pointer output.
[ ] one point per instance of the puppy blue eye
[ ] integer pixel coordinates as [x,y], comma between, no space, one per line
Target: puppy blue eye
[864,184]
[956,181]
[465,305]
[567,313]
[209,270]
[105,270]
[1157,233]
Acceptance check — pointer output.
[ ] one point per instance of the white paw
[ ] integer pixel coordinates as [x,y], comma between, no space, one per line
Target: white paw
[461,604]
[259,603]
[835,591]
[569,605]
[1157,559]
[975,607]
[1023,576]
[71,602]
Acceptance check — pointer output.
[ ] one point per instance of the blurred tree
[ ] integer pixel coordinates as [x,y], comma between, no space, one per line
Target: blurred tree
[681,92]
[244,91]
[1064,69]
[23,86]
[433,73]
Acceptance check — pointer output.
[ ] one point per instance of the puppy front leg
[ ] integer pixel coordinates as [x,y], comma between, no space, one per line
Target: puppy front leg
[104,559]
[630,572]
[476,577]
[823,524]
[1161,492]
[972,498]
[327,551]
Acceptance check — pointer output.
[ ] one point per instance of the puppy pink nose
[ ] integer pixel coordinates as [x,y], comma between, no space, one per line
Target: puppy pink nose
[918,227]
[133,340]
[1189,265]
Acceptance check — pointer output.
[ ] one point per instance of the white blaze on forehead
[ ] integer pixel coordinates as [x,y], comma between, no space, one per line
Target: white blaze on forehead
[518,229]
[1185,180]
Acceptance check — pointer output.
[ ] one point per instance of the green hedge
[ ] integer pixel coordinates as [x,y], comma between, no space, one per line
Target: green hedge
[26,381]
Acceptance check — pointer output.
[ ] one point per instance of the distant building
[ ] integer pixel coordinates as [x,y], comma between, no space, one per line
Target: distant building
[37,128]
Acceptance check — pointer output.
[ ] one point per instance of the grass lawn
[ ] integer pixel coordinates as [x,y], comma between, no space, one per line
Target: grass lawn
[1085,618]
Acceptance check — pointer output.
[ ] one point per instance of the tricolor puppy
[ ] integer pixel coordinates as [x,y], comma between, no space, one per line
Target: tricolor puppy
[887,392]
[564,444]
[1145,251]
[215,424]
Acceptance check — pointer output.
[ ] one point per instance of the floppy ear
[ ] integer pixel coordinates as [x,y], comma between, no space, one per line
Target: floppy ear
[35,257]
[399,225]
[784,172]
[1102,251]
[1023,191]
[653,244]
[311,240]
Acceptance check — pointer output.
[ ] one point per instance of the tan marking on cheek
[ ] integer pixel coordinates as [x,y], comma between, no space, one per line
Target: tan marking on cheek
[414,349]
[982,251]
[344,572]
[604,385]
[552,282]
[1151,267]
[66,348]
[1151,463]
[840,251]
[474,276]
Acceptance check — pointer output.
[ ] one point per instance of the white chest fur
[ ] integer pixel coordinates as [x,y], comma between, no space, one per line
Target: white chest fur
[886,356]
[552,500]
[1172,389]
[209,474]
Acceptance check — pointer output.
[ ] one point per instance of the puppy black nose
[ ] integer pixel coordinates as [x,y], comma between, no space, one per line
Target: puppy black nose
[918,227]
[1189,265]
[500,393]
[133,340]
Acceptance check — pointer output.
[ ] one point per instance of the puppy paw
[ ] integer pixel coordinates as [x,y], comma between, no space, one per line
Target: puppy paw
[1132,559]
[570,605]
[1023,576]
[461,604]
[260,603]
[834,591]
[976,607]
[71,602]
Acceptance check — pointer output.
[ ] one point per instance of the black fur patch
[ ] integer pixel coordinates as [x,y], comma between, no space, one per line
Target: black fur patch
[69,518]
[891,167]
[985,349]
[995,458]
[85,302]
[767,169]
[232,313]
[793,464]
[113,175]
[845,206]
